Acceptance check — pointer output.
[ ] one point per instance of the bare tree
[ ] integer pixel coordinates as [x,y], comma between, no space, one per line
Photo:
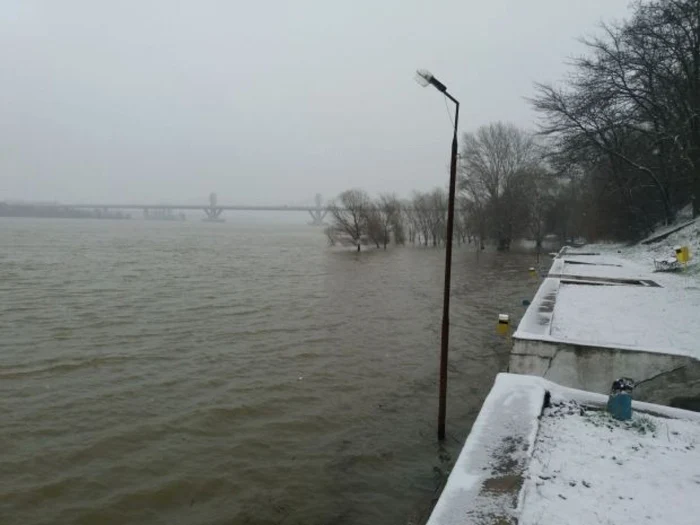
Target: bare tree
[389,216]
[539,191]
[409,218]
[630,112]
[421,213]
[398,230]
[350,217]
[495,163]
[438,215]
[330,235]
[584,120]
[375,226]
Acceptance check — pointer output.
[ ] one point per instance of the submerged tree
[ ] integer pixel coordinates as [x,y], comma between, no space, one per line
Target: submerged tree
[349,216]
[375,227]
[389,217]
[358,219]
[496,164]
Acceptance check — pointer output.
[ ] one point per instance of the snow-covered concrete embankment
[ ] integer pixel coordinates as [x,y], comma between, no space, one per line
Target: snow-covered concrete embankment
[603,313]
[542,454]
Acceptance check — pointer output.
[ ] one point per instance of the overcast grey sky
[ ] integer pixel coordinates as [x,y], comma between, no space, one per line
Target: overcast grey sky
[262,102]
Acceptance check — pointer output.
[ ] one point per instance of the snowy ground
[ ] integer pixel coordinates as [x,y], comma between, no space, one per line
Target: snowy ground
[588,468]
[610,296]
[661,318]
[571,463]
[644,254]
[484,485]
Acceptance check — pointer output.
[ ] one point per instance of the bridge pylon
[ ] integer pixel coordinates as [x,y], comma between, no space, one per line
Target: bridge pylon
[319,212]
[213,212]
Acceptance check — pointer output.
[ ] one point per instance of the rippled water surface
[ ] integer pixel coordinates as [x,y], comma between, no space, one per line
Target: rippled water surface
[194,373]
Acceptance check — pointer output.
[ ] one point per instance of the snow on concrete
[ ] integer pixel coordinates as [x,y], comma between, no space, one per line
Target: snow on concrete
[484,485]
[536,323]
[588,468]
[597,266]
[614,299]
[602,312]
[574,465]
[664,319]
[629,317]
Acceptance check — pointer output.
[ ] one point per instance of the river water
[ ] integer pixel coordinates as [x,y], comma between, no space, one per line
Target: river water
[195,373]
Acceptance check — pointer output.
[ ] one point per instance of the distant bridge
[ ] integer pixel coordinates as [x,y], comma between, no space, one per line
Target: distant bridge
[213,210]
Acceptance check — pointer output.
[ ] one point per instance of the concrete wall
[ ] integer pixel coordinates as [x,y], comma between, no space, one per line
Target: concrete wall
[662,378]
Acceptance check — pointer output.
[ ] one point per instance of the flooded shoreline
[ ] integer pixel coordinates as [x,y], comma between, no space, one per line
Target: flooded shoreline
[214,373]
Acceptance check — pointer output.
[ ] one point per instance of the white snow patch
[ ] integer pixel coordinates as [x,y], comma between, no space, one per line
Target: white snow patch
[605,296]
[629,317]
[578,466]
[644,254]
[588,469]
[498,445]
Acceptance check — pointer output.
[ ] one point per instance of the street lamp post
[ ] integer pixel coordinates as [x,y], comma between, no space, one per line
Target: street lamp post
[425,78]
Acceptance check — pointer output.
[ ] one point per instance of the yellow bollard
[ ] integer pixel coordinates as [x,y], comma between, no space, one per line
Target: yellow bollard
[684,255]
[503,324]
[678,251]
[533,272]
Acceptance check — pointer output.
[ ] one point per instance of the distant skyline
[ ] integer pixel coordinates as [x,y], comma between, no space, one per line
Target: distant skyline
[262,103]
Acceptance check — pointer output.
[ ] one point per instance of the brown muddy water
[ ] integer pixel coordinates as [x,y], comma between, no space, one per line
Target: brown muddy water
[193,373]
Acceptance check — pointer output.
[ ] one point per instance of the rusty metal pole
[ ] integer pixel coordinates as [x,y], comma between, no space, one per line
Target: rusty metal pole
[445,337]
[425,78]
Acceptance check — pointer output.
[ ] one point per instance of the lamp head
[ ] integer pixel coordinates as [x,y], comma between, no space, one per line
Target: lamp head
[424,77]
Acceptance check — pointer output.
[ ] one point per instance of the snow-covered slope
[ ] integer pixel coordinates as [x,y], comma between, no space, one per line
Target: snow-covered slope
[644,254]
